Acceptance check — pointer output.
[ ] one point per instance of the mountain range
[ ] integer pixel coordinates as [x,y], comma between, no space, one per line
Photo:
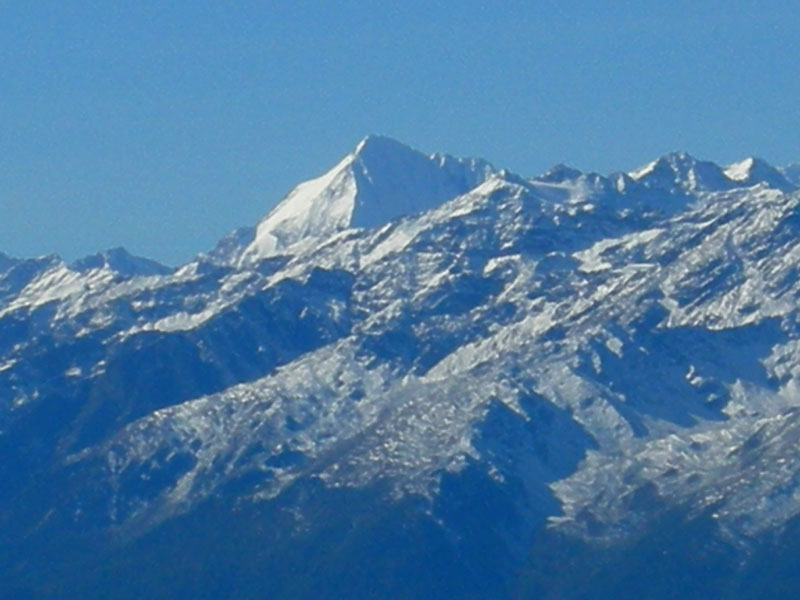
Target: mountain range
[420,376]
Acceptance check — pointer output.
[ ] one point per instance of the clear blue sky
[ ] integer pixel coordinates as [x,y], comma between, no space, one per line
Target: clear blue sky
[162,125]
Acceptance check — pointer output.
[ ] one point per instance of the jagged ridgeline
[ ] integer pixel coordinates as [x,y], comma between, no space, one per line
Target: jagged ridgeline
[419,376]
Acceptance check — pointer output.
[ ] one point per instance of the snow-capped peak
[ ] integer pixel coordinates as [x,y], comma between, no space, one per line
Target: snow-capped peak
[559,174]
[681,170]
[740,171]
[751,171]
[122,262]
[380,180]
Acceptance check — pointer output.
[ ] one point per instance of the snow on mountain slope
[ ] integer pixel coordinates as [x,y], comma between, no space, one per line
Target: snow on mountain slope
[497,291]
[752,171]
[745,471]
[679,170]
[122,263]
[792,173]
[379,181]
[682,171]
[587,351]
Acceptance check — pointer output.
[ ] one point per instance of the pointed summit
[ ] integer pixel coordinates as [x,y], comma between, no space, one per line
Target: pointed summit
[376,146]
[681,171]
[122,262]
[559,174]
[752,171]
[380,180]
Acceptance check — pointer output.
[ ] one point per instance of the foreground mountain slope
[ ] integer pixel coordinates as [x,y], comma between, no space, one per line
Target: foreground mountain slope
[490,385]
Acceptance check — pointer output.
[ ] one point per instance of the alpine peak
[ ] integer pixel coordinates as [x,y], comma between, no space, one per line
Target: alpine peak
[121,262]
[375,145]
[752,170]
[559,173]
[681,171]
[517,387]
[380,180]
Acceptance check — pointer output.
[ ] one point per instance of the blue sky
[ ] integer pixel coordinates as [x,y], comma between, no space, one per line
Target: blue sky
[160,126]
